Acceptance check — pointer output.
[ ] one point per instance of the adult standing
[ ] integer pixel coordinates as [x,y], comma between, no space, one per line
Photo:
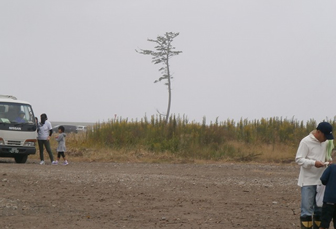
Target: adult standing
[43,136]
[311,156]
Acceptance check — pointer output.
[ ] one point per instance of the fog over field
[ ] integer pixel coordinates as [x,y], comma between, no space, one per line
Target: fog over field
[76,61]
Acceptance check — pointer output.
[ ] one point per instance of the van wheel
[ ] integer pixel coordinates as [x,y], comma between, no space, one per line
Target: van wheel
[21,159]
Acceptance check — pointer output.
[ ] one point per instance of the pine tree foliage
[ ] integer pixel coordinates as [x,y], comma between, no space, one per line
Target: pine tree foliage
[161,55]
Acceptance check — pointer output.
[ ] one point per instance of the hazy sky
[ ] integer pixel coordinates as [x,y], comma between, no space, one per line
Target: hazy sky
[75,59]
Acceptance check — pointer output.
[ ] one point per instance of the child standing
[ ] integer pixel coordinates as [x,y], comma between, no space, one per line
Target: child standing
[61,145]
[328,178]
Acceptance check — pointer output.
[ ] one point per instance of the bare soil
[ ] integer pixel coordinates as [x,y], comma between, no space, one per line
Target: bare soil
[134,195]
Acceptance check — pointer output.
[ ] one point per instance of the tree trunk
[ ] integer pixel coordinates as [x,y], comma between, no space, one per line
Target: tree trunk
[169,89]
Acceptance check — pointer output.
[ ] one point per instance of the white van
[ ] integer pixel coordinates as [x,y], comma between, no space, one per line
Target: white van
[81,129]
[17,129]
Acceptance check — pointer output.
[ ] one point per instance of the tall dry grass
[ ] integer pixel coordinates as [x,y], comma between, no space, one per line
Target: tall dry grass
[180,141]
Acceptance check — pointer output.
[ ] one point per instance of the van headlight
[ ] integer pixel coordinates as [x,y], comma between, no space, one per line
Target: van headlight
[2,141]
[30,143]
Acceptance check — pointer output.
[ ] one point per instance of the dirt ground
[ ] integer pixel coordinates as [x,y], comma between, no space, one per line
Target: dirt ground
[127,195]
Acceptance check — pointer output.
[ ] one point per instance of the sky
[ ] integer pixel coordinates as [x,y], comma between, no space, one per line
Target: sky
[75,60]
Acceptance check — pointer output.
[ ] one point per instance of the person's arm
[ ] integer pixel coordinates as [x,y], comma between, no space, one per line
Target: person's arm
[59,137]
[301,155]
[325,176]
[49,127]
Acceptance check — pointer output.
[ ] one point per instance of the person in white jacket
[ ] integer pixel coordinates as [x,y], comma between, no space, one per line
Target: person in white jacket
[311,156]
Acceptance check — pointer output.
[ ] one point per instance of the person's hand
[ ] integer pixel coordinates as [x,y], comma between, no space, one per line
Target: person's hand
[327,163]
[319,164]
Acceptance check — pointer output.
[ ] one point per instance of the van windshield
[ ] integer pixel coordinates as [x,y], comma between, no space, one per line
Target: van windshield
[16,113]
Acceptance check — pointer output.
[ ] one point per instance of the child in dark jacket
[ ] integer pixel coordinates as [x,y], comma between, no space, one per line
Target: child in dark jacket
[328,178]
[61,145]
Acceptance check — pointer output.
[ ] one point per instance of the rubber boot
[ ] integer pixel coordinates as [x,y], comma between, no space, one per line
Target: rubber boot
[316,221]
[306,222]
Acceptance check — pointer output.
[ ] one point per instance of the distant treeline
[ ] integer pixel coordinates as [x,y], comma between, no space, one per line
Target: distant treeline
[215,141]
